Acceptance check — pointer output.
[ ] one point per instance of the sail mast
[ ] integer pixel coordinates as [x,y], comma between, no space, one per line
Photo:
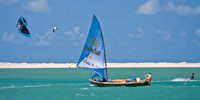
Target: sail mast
[105,58]
[105,62]
[104,52]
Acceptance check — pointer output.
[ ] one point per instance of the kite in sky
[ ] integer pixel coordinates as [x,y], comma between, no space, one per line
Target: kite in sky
[22,27]
[55,28]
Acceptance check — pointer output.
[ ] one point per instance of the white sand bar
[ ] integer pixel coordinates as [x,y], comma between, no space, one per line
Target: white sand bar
[110,65]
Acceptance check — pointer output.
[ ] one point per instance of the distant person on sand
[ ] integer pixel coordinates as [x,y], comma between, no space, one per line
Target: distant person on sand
[148,76]
[191,76]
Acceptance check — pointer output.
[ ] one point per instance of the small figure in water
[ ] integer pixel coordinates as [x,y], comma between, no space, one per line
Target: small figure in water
[148,76]
[191,76]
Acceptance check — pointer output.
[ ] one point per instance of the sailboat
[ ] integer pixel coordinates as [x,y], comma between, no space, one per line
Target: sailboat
[93,56]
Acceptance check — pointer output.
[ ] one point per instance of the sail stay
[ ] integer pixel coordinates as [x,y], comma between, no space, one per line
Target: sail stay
[93,53]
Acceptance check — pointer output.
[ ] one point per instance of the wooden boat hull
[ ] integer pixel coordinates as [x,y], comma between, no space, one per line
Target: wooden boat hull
[130,84]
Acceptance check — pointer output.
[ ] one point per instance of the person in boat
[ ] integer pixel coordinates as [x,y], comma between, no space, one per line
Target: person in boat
[148,76]
[104,80]
[191,76]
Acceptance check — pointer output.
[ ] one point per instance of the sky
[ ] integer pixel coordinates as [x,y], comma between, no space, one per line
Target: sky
[133,30]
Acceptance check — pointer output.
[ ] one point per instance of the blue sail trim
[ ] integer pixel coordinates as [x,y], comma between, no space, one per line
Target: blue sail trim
[95,75]
[98,72]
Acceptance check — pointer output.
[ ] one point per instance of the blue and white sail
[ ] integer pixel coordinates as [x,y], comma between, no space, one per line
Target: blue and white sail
[93,53]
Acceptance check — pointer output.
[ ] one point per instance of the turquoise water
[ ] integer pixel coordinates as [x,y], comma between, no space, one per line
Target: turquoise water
[73,84]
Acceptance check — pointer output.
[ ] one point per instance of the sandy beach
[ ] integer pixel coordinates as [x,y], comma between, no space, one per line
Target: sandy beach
[110,65]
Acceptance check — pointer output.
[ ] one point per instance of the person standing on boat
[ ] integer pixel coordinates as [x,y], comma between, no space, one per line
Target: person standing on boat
[148,76]
[191,76]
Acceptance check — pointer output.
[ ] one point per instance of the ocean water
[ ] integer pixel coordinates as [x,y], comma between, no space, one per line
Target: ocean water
[73,84]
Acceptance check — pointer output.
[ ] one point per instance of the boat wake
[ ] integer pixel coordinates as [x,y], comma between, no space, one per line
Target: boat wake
[26,86]
[181,80]
[41,85]
[92,85]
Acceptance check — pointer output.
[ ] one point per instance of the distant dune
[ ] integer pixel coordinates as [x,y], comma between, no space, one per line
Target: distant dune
[110,65]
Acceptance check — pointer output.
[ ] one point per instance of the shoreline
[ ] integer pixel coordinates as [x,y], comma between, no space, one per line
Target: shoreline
[109,65]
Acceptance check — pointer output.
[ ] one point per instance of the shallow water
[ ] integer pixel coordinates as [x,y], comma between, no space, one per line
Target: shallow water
[73,84]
